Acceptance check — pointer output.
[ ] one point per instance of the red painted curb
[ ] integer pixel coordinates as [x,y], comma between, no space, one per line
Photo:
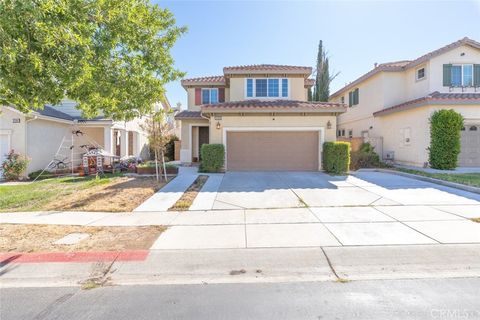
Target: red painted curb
[94,256]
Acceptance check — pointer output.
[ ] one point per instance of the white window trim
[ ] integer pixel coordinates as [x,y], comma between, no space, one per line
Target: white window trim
[462,65]
[321,136]
[280,87]
[209,95]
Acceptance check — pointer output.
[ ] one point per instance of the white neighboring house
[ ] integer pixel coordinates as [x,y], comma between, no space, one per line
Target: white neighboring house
[39,134]
[391,104]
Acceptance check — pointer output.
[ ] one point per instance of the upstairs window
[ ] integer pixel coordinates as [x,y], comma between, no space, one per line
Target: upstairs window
[266,88]
[209,96]
[285,88]
[420,74]
[353,97]
[461,75]
[249,88]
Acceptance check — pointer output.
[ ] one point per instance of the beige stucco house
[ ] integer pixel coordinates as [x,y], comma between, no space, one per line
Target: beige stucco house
[391,104]
[262,116]
[42,134]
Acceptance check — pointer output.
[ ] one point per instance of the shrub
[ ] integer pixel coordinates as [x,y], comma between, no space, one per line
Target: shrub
[365,157]
[445,126]
[45,175]
[213,157]
[13,166]
[170,148]
[336,157]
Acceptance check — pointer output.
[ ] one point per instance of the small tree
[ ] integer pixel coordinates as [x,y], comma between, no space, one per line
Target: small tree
[445,127]
[157,129]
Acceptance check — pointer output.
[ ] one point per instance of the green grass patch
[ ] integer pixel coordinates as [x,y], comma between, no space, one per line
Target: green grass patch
[469,179]
[31,196]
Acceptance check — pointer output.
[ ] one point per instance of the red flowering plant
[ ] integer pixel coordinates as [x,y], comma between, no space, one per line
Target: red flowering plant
[13,166]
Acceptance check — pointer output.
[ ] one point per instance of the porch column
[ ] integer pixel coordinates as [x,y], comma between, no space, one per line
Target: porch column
[123,142]
[108,139]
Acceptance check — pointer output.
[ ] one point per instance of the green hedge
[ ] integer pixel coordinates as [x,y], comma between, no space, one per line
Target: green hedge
[213,157]
[445,126]
[336,157]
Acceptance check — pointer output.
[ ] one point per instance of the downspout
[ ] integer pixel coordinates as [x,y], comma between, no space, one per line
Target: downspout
[26,135]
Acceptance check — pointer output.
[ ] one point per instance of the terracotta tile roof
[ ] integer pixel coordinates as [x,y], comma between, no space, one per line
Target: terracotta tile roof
[186,114]
[201,80]
[275,105]
[268,68]
[435,97]
[405,64]
[309,82]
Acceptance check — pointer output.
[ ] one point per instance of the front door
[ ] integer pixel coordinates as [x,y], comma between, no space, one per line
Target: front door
[203,138]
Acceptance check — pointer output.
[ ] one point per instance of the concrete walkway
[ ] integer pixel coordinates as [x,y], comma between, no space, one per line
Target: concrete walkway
[289,227]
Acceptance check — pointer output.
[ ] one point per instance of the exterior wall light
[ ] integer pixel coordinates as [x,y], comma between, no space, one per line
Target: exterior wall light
[218,125]
[329,125]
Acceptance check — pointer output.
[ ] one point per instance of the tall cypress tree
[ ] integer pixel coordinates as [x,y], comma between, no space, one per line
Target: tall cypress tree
[323,79]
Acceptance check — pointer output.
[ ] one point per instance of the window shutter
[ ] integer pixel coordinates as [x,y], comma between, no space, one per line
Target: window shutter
[476,75]
[198,96]
[447,75]
[356,97]
[350,98]
[221,94]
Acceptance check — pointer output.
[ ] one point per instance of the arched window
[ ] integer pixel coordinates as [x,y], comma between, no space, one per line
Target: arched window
[463,129]
[473,128]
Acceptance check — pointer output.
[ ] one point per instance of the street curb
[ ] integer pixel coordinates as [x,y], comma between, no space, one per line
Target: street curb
[426,179]
[94,256]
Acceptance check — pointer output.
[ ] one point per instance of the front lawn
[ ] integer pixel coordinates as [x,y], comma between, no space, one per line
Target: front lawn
[470,179]
[113,193]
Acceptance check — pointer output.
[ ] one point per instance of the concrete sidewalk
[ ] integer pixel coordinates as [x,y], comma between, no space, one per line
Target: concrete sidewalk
[289,227]
[256,265]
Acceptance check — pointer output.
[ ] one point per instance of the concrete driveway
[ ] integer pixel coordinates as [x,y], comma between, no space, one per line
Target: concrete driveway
[259,190]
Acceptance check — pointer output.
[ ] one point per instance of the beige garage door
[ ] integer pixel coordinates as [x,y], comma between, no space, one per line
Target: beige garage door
[272,150]
[470,146]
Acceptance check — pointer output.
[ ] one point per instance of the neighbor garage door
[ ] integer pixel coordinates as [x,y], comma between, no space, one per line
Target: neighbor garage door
[272,150]
[470,146]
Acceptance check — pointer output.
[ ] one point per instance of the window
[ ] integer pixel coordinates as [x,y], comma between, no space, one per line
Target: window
[267,88]
[420,73]
[273,87]
[261,87]
[350,133]
[343,132]
[473,128]
[339,132]
[284,88]
[249,88]
[209,96]
[353,97]
[459,75]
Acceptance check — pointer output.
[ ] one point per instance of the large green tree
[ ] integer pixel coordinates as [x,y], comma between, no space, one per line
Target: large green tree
[321,90]
[111,56]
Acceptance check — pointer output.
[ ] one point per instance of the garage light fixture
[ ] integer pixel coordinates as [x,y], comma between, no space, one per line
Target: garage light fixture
[218,125]
[329,125]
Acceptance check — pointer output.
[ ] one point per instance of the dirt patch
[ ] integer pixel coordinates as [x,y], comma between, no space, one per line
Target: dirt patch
[122,194]
[189,195]
[41,238]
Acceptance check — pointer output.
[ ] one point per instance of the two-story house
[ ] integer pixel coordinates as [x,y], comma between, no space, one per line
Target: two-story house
[393,103]
[261,115]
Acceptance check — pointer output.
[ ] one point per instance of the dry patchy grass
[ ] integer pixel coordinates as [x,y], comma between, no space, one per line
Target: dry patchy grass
[109,193]
[41,238]
[189,195]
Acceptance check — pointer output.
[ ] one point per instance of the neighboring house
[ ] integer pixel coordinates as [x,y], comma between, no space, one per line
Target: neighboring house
[39,134]
[393,103]
[262,116]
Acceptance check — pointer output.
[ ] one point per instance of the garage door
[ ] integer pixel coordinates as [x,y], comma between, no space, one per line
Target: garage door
[470,146]
[272,150]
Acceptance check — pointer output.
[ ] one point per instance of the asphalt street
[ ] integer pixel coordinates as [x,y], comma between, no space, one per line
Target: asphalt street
[373,299]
